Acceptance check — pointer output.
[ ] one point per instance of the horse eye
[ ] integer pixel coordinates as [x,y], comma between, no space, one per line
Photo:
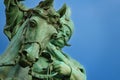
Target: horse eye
[54,36]
[33,23]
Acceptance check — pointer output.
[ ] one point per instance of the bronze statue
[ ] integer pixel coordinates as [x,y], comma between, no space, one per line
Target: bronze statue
[37,36]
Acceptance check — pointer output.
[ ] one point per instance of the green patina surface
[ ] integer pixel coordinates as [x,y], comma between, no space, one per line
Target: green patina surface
[37,37]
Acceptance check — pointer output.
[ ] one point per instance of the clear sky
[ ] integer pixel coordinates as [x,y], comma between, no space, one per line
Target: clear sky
[96,39]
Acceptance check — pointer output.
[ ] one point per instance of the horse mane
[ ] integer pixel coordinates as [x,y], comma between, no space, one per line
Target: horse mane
[44,10]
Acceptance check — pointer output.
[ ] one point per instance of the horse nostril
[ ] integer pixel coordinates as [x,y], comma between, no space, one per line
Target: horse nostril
[24,52]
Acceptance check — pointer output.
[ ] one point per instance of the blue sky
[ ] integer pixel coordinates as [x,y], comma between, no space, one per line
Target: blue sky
[96,38]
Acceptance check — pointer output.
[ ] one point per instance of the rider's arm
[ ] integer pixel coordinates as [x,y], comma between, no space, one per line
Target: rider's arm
[13,16]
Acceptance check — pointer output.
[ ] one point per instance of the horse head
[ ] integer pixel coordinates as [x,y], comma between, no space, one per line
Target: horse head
[37,34]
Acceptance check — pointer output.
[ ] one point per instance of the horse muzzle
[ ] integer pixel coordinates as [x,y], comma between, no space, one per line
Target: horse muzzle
[29,54]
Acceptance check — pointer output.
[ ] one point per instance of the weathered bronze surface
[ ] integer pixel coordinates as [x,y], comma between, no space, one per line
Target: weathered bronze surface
[37,36]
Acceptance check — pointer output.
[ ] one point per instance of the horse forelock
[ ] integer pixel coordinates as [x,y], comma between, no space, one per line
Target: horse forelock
[51,16]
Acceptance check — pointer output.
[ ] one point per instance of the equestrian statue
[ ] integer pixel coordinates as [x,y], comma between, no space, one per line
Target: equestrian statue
[37,36]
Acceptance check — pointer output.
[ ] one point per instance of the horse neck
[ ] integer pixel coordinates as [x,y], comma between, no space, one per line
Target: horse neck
[12,50]
[10,54]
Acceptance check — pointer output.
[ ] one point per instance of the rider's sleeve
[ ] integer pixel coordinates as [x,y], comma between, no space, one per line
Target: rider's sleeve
[13,17]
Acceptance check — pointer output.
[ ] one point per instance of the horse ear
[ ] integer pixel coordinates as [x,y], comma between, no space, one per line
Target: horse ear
[65,10]
[62,10]
[65,17]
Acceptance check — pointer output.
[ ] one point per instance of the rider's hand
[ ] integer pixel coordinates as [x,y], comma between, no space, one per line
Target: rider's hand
[62,68]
